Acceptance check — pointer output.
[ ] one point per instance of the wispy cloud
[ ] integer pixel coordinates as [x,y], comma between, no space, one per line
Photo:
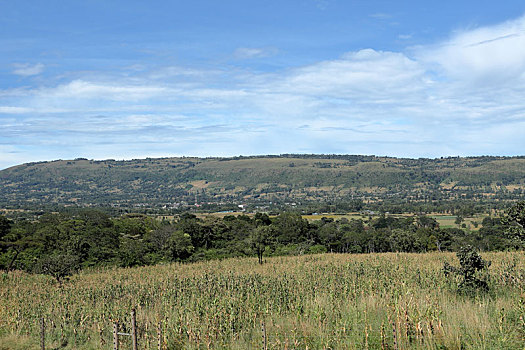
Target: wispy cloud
[26,69]
[14,110]
[254,52]
[321,4]
[490,54]
[381,15]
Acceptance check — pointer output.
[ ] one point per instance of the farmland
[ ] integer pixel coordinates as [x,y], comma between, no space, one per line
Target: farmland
[352,301]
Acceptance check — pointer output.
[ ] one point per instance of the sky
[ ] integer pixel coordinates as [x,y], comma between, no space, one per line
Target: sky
[131,79]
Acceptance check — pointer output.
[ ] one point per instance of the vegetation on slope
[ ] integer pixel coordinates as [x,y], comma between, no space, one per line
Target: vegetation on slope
[262,181]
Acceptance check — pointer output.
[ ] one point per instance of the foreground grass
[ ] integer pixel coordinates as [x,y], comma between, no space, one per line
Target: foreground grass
[317,302]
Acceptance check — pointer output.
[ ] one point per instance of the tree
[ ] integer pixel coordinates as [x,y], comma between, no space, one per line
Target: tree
[292,228]
[515,219]
[5,226]
[14,242]
[132,252]
[180,246]
[404,241]
[330,236]
[427,222]
[260,238]
[60,266]
[159,239]
[262,219]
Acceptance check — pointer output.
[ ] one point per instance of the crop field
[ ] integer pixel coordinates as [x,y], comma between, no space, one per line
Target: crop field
[447,221]
[328,301]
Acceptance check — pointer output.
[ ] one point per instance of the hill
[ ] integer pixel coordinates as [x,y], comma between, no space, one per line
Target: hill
[261,181]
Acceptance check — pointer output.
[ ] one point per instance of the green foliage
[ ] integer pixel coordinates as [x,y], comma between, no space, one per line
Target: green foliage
[314,181]
[59,265]
[5,226]
[317,249]
[96,239]
[179,245]
[132,252]
[515,218]
[471,265]
[260,238]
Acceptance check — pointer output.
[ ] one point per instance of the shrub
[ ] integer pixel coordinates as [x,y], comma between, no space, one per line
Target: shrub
[471,265]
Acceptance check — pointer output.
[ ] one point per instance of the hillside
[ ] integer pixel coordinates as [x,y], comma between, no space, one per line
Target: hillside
[260,180]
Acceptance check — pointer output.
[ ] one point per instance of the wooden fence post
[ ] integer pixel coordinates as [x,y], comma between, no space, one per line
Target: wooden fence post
[43,334]
[115,336]
[394,332]
[159,336]
[265,341]
[134,329]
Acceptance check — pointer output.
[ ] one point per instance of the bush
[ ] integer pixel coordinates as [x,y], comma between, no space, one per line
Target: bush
[317,249]
[471,265]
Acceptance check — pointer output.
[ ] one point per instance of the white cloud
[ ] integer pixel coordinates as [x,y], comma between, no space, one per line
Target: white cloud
[14,110]
[86,90]
[26,69]
[493,54]
[254,52]
[365,71]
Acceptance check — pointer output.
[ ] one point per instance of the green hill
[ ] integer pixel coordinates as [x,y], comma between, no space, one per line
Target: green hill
[259,180]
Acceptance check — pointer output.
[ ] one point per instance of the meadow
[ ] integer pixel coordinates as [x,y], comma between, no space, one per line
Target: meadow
[326,301]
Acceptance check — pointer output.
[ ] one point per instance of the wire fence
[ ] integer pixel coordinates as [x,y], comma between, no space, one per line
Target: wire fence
[130,335]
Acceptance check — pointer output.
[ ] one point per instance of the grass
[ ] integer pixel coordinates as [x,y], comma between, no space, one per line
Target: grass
[335,301]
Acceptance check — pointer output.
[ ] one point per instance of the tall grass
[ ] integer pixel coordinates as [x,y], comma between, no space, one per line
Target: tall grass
[317,302]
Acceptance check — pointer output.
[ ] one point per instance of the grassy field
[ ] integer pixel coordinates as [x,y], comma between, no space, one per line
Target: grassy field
[445,221]
[330,301]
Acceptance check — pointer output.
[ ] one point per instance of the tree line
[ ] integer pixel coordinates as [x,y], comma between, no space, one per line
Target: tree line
[61,243]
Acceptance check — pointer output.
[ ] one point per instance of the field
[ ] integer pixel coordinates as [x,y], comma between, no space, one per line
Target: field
[445,221]
[329,301]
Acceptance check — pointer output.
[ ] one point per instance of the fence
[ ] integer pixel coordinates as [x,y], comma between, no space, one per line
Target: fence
[397,331]
[116,334]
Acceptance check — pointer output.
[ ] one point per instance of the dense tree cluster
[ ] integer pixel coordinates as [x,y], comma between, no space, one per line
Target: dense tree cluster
[60,243]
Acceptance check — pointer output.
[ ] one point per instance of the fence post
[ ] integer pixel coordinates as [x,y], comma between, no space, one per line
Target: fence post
[134,329]
[42,334]
[115,336]
[265,341]
[159,336]
[394,331]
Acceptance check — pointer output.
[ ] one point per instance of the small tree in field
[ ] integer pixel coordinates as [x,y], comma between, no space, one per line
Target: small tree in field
[60,266]
[471,264]
[260,238]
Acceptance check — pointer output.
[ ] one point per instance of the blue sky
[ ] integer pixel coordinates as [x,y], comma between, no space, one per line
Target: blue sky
[132,79]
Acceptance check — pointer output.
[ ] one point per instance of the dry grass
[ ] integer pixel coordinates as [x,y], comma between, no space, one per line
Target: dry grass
[319,301]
